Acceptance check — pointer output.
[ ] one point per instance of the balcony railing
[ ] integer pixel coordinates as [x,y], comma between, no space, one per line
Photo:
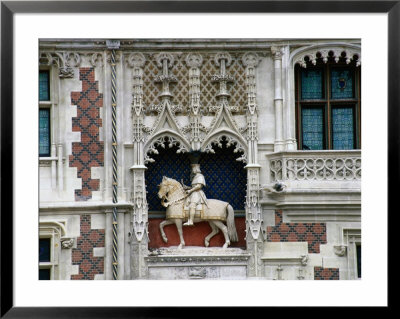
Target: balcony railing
[315,166]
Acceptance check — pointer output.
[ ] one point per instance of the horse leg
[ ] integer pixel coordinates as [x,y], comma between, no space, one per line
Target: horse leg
[178,223]
[214,231]
[162,224]
[224,229]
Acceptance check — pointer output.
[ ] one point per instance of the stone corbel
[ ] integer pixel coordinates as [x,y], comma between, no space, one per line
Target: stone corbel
[340,250]
[67,243]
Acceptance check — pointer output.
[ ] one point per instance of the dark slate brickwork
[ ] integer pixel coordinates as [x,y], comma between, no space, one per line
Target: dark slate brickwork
[89,152]
[326,273]
[82,255]
[313,233]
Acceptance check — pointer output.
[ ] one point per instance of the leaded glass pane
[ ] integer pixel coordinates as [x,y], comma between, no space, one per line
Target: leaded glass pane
[44,90]
[343,128]
[311,84]
[342,86]
[313,128]
[44,274]
[44,132]
[44,250]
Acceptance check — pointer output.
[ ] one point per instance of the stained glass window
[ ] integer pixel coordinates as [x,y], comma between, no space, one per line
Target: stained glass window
[44,132]
[313,128]
[311,84]
[44,250]
[343,128]
[342,83]
[44,88]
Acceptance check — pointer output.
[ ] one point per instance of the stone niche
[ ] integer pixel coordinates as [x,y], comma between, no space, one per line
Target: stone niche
[197,263]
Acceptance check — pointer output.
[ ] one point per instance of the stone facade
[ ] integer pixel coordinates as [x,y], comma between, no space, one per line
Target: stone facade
[229,104]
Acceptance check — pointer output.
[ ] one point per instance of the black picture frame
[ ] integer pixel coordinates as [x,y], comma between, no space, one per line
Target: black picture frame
[9,8]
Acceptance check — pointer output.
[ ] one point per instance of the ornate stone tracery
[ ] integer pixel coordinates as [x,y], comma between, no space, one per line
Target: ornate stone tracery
[184,128]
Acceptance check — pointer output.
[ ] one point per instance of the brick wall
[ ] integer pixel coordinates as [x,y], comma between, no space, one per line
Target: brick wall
[313,233]
[89,152]
[326,273]
[82,255]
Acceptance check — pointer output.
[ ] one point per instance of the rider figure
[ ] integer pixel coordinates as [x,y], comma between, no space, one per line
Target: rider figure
[196,197]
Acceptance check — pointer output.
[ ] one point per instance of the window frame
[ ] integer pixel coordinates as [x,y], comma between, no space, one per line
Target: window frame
[327,103]
[47,104]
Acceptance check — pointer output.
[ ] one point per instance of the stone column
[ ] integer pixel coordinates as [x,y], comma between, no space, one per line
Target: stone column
[254,220]
[139,215]
[278,99]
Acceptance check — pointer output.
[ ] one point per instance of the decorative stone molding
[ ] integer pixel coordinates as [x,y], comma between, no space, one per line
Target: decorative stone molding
[163,141]
[217,140]
[65,61]
[136,60]
[277,52]
[223,60]
[250,60]
[194,60]
[318,165]
[197,256]
[96,59]
[336,53]
[113,44]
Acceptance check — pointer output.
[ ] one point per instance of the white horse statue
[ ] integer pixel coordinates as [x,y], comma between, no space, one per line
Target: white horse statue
[216,212]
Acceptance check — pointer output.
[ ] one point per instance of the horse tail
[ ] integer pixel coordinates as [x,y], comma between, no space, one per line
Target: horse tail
[230,223]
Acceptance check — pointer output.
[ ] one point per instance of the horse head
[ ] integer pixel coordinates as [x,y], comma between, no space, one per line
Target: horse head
[166,186]
[163,188]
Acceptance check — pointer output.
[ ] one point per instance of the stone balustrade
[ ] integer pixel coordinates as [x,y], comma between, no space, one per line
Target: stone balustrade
[326,165]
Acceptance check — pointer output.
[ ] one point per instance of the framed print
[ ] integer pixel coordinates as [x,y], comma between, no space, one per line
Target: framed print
[167,155]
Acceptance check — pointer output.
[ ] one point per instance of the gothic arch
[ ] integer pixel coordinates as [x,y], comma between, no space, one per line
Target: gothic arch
[166,138]
[231,138]
[351,52]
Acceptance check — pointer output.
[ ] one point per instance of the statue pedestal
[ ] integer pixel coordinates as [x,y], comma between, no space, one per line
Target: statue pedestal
[197,263]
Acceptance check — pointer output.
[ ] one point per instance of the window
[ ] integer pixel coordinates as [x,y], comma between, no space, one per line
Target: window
[44,85]
[44,132]
[358,252]
[45,259]
[328,106]
[44,113]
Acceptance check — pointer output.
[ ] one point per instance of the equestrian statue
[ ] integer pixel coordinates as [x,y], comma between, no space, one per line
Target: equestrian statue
[190,204]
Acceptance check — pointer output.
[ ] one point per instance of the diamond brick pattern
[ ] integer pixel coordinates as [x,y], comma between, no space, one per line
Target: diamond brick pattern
[89,152]
[82,255]
[313,233]
[326,273]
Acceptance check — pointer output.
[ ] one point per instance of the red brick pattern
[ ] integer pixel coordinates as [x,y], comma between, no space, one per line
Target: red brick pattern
[82,255]
[89,152]
[313,233]
[326,273]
